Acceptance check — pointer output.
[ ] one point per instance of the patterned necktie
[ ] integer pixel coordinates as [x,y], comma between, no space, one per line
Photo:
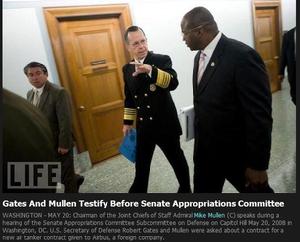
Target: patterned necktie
[36,98]
[201,66]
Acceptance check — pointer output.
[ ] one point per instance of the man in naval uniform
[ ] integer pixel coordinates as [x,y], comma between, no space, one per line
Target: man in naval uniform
[149,78]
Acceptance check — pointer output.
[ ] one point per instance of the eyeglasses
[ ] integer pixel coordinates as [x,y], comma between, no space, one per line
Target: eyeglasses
[197,27]
[136,44]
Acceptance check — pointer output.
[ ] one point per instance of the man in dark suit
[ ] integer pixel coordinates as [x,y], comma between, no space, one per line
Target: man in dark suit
[54,103]
[27,137]
[288,59]
[232,103]
[149,78]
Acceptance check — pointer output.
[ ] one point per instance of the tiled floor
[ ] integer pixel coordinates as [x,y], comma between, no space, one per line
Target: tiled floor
[116,174]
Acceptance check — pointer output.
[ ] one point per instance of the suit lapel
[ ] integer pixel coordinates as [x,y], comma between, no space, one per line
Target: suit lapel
[212,64]
[44,96]
[30,96]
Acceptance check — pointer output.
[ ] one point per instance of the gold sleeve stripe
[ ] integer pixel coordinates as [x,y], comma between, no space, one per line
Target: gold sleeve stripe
[129,114]
[163,78]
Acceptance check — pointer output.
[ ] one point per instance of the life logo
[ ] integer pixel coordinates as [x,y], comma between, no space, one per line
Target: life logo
[28,175]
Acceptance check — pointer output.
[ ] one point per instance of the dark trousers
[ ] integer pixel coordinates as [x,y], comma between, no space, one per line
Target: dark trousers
[68,176]
[172,150]
[292,81]
[209,177]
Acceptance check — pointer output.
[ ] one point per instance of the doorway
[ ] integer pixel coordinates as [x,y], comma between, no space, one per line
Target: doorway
[89,51]
[267,36]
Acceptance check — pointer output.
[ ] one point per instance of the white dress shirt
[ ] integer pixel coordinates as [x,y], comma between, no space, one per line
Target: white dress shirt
[209,49]
[38,92]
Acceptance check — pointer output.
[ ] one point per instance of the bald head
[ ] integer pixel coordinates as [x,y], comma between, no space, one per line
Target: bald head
[198,28]
[200,16]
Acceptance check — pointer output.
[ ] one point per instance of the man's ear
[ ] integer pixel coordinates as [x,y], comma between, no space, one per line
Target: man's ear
[200,31]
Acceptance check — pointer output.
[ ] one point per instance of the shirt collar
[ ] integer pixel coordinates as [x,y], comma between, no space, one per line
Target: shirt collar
[140,61]
[39,90]
[209,49]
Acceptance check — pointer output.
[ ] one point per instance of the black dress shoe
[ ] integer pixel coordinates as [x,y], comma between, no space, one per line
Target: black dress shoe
[80,180]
